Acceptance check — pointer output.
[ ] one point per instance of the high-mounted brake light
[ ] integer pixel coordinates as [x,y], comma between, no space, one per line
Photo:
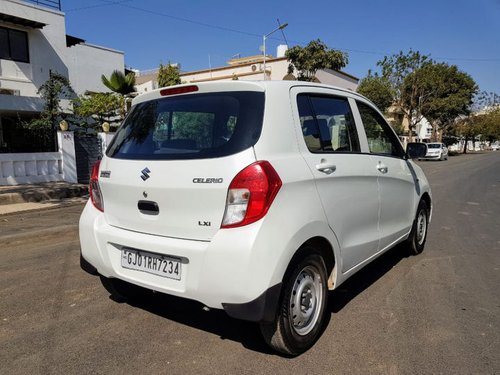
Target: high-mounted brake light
[178,90]
[250,194]
[94,190]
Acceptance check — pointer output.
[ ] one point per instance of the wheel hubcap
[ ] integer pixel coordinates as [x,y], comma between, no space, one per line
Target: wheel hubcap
[306,300]
[421,227]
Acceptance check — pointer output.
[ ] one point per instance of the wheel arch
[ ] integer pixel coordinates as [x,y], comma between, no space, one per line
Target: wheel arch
[325,249]
[428,200]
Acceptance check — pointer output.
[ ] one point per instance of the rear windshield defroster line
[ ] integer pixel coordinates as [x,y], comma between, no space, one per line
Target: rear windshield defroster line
[193,126]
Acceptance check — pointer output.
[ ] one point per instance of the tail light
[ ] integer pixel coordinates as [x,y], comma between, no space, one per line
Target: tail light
[94,190]
[250,194]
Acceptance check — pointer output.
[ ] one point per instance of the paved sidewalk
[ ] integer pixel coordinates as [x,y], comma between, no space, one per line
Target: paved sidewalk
[40,196]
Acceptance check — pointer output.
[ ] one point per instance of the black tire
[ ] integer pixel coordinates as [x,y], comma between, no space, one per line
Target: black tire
[418,234]
[121,290]
[296,329]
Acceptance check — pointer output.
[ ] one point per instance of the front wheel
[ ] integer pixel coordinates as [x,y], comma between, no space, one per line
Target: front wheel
[418,234]
[301,311]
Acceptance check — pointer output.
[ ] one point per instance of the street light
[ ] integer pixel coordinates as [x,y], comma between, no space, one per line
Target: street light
[264,37]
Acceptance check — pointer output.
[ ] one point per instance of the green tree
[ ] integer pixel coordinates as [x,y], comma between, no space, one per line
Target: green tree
[119,82]
[398,69]
[101,107]
[488,104]
[57,87]
[449,94]
[467,128]
[378,90]
[168,75]
[491,124]
[484,120]
[313,57]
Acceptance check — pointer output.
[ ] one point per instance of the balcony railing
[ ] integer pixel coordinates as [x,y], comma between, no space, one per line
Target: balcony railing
[54,4]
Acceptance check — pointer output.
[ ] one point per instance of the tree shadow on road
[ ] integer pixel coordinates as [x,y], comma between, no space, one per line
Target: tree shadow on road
[217,322]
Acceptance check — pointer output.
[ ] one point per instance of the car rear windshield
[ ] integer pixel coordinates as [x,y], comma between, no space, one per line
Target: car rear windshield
[190,127]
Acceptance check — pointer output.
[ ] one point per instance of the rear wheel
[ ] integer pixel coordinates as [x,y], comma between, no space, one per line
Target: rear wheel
[121,290]
[418,234]
[301,311]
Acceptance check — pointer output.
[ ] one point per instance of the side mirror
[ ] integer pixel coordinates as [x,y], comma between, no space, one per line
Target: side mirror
[416,150]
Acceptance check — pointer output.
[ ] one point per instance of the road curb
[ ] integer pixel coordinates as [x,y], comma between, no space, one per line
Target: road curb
[40,234]
[43,194]
[53,205]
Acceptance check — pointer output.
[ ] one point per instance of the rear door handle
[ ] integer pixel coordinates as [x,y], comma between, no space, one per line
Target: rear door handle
[382,168]
[325,167]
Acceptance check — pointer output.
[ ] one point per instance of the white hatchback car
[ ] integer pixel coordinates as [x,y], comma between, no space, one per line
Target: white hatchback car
[252,197]
[436,151]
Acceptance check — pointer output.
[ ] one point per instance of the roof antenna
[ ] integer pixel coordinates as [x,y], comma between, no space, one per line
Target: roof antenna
[282,32]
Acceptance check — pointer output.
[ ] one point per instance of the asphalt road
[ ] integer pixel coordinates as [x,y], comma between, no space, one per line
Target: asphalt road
[438,312]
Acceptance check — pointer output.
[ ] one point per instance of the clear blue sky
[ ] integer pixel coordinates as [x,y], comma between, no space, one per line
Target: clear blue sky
[461,32]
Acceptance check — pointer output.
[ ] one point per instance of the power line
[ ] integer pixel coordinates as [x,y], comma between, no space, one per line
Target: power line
[109,3]
[242,32]
[183,19]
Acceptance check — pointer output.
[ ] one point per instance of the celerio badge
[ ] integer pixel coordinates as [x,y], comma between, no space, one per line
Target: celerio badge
[207,180]
[145,173]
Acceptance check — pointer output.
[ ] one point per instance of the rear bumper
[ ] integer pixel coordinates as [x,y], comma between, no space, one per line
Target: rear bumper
[228,272]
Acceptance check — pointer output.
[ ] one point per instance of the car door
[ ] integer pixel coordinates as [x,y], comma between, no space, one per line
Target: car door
[396,178]
[330,145]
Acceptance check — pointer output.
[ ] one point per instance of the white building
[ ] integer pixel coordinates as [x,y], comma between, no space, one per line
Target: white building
[33,42]
[423,130]
[249,68]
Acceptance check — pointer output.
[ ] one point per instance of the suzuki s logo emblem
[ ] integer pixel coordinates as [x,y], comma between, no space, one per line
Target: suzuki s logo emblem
[145,173]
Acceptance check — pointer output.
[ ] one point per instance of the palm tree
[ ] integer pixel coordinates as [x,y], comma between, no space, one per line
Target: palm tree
[119,82]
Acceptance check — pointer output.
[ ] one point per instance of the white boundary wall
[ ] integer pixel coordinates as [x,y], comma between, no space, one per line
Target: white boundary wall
[37,167]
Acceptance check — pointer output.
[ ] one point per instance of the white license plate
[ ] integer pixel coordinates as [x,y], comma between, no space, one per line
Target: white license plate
[160,265]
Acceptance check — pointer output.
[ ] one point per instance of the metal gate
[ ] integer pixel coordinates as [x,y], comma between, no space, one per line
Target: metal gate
[87,152]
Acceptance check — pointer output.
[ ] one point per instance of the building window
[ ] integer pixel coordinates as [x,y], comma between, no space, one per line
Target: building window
[14,45]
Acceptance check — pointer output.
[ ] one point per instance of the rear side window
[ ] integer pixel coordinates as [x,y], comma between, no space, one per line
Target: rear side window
[381,138]
[327,124]
[190,127]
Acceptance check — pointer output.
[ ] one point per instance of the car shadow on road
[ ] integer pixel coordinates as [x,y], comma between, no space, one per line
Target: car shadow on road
[217,322]
[193,314]
[367,276]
